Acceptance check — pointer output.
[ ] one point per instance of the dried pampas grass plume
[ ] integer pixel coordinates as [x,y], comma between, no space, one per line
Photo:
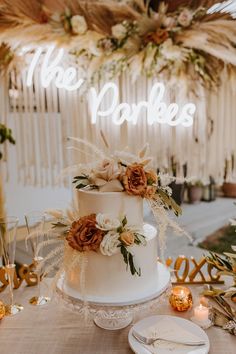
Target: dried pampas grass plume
[212,37]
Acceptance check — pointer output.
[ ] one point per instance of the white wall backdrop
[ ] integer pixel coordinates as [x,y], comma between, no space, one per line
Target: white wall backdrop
[22,198]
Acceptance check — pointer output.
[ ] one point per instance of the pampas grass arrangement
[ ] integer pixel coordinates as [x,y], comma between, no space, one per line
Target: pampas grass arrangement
[178,38]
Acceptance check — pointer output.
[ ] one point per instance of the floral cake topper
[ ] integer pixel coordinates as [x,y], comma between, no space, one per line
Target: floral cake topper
[123,171]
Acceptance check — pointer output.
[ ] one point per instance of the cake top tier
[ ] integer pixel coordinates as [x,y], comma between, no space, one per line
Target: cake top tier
[124,172]
[120,172]
[116,204]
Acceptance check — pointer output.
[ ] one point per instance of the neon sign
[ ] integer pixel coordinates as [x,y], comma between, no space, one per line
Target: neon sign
[53,71]
[157,111]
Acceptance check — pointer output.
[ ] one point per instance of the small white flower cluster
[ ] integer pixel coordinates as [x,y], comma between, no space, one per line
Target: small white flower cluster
[167,190]
[123,30]
[79,24]
[171,52]
[119,31]
[185,17]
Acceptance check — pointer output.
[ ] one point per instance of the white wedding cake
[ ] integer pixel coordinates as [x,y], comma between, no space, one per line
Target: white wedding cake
[110,254]
[107,279]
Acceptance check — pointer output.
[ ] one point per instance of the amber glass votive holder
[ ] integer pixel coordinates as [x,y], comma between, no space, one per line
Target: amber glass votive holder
[180,298]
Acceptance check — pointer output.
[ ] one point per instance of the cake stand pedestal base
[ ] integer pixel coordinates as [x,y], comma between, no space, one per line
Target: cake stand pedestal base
[114,316]
[112,320]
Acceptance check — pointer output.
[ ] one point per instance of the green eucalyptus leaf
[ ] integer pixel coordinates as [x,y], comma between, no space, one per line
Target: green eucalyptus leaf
[124,253]
[58,224]
[124,221]
[81,177]
[169,202]
[131,264]
[80,185]
[119,229]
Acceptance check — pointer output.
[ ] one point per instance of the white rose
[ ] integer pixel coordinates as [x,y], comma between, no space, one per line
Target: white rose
[110,243]
[106,222]
[171,51]
[185,18]
[168,22]
[119,31]
[79,24]
[107,170]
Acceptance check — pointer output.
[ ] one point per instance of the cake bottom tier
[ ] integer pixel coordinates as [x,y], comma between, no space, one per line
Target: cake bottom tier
[108,280]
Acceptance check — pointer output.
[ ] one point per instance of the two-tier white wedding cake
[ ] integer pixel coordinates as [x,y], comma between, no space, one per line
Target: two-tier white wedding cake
[110,254]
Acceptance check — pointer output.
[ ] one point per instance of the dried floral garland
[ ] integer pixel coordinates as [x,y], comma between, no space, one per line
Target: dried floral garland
[108,37]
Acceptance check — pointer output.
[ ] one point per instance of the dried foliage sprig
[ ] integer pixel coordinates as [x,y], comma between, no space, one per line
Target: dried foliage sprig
[6,57]
[226,265]
[5,135]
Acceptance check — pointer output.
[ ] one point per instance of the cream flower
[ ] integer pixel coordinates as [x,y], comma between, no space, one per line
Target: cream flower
[185,18]
[106,222]
[119,31]
[107,170]
[168,22]
[79,24]
[110,243]
[171,51]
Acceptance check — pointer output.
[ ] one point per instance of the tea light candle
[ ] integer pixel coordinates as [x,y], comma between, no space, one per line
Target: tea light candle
[201,313]
[181,298]
[201,316]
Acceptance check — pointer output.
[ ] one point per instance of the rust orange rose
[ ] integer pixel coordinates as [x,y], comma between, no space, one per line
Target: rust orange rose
[157,37]
[135,180]
[84,235]
[127,238]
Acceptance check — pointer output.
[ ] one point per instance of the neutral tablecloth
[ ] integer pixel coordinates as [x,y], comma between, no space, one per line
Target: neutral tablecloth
[54,329]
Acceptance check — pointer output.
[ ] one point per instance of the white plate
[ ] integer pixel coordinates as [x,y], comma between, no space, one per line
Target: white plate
[167,347]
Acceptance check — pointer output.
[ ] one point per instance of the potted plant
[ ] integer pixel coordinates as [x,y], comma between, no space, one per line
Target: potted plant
[177,188]
[195,192]
[209,191]
[229,188]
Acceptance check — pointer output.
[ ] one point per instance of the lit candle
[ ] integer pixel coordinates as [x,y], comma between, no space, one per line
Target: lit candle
[181,298]
[201,313]
[204,301]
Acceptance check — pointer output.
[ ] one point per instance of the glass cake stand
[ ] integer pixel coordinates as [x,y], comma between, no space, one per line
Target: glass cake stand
[114,316]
